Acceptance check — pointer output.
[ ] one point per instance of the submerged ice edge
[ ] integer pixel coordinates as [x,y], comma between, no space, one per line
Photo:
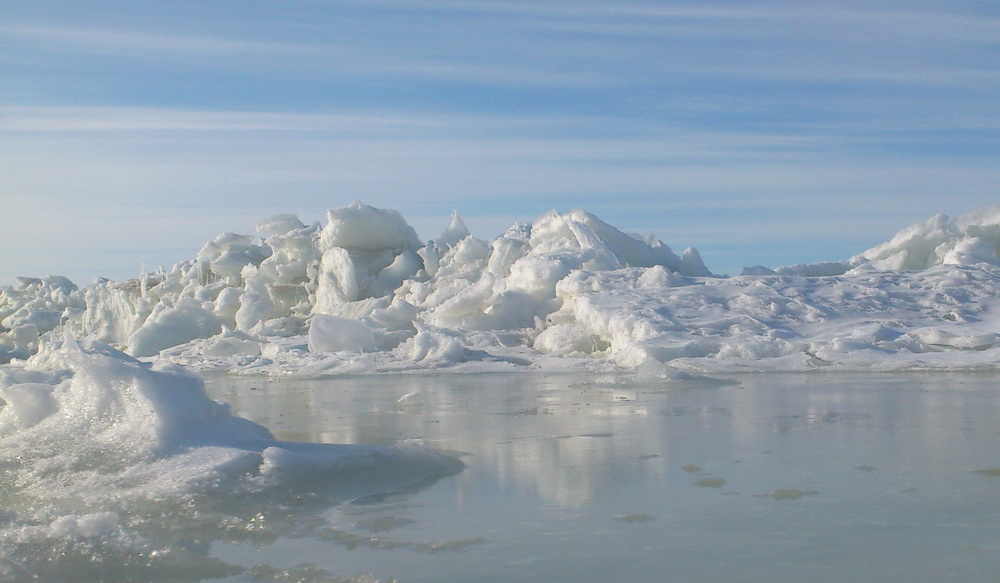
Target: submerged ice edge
[363,295]
[97,447]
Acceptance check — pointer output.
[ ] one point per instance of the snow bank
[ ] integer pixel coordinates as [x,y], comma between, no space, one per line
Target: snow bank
[362,294]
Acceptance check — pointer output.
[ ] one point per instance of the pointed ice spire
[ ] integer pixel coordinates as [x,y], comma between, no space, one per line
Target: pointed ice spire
[69,341]
[455,232]
[692,264]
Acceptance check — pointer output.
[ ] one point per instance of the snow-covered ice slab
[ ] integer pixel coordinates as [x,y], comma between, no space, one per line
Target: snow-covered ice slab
[96,447]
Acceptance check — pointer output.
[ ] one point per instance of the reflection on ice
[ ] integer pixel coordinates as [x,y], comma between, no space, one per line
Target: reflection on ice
[770,478]
[788,494]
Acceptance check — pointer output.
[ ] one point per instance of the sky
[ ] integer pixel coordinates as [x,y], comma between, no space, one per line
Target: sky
[759,132]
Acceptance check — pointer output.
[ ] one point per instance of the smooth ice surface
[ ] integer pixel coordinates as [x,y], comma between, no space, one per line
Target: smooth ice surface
[575,478]
[361,294]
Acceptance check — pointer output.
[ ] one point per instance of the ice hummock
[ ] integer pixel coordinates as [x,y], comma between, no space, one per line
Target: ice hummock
[970,239]
[96,447]
[362,294]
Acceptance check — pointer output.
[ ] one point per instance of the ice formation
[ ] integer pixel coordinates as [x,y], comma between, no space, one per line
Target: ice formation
[88,427]
[971,239]
[363,294]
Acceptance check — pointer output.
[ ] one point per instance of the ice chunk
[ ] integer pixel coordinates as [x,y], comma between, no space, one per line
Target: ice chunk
[692,264]
[361,227]
[32,308]
[279,224]
[970,251]
[758,270]
[411,399]
[337,281]
[653,370]
[87,526]
[433,346]
[229,253]
[333,334]
[173,324]
[822,269]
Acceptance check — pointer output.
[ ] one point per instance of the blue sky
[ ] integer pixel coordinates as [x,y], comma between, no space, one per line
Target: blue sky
[759,132]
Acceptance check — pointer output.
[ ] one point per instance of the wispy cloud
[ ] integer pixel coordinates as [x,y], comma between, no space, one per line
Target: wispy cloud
[322,58]
[129,119]
[125,43]
[588,44]
[605,135]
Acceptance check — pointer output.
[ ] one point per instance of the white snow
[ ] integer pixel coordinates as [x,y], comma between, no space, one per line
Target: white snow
[362,294]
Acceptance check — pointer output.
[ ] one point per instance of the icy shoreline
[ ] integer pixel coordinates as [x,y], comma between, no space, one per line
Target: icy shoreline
[361,294]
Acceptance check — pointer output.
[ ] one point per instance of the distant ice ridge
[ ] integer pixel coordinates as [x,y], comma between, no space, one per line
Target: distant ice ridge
[971,239]
[362,294]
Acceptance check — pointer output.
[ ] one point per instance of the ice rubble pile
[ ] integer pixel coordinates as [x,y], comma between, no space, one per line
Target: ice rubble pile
[363,294]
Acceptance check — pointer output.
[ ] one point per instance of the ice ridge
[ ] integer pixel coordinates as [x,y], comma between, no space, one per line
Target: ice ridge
[361,293]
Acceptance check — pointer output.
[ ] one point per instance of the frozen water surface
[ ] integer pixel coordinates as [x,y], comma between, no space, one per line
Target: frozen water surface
[774,477]
[114,469]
